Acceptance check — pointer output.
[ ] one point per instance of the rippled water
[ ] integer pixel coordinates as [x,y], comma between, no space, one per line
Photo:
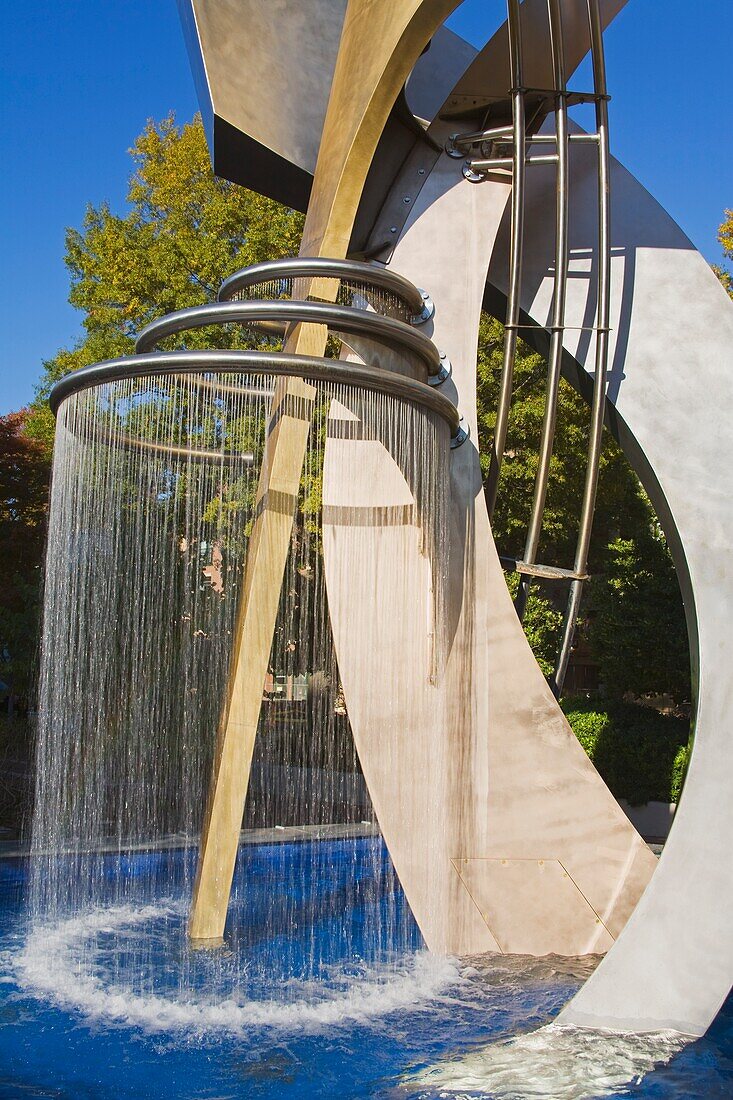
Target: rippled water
[111,1003]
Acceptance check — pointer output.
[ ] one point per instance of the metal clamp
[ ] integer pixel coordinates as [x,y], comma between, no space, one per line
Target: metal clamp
[446,370]
[427,311]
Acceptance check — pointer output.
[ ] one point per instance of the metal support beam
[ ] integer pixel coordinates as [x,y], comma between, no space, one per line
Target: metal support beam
[602,331]
[558,303]
[515,255]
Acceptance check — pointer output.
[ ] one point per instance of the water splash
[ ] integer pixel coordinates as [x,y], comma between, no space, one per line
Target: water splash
[553,1063]
[72,963]
[153,501]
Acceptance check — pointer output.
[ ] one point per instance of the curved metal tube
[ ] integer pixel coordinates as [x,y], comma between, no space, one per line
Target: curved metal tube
[515,255]
[396,335]
[558,304]
[603,310]
[303,267]
[255,362]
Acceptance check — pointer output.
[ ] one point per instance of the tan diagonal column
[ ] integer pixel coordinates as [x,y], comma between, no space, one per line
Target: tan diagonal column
[380,43]
[266,557]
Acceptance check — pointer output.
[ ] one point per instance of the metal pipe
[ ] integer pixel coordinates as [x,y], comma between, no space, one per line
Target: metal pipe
[603,311]
[163,364]
[515,255]
[394,334]
[478,136]
[491,163]
[547,139]
[554,359]
[305,267]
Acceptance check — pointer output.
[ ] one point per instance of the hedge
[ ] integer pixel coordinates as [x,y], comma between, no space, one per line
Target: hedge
[641,754]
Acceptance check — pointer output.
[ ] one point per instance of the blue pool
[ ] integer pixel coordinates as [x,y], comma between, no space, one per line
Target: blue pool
[337,1000]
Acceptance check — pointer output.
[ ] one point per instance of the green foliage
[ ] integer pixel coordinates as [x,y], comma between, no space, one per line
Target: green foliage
[542,625]
[633,600]
[641,754]
[24,475]
[638,631]
[184,232]
[725,237]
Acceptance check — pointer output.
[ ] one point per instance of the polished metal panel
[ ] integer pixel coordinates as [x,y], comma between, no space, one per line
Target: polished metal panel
[268,66]
[263,72]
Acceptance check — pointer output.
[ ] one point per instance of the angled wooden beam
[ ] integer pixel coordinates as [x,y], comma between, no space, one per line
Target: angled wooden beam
[380,43]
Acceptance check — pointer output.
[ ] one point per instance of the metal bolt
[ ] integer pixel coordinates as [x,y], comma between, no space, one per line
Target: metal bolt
[421,171]
[425,295]
[407,199]
[393,229]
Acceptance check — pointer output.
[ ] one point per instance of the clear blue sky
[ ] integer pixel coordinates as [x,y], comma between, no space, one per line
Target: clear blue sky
[79,79]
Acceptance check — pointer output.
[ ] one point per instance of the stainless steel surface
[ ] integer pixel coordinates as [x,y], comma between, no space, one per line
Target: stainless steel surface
[265,69]
[263,72]
[152,364]
[590,488]
[342,319]
[498,444]
[554,360]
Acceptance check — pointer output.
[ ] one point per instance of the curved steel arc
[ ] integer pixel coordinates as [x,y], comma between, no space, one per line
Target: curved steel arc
[152,364]
[518,165]
[396,335]
[603,308]
[558,303]
[314,266]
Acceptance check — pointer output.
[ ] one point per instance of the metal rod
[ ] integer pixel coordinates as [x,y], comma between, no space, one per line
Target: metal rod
[396,335]
[488,163]
[559,294]
[603,309]
[550,139]
[162,364]
[303,266]
[492,163]
[483,135]
[515,255]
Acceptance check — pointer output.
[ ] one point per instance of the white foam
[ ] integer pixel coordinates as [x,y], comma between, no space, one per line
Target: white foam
[48,966]
[554,1063]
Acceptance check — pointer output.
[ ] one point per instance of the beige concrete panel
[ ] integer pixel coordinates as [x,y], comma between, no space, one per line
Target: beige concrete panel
[534,906]
[499,772]
[379,590]
[671,358]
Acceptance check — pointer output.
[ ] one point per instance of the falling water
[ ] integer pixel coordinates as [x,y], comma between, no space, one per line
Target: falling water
[153,502]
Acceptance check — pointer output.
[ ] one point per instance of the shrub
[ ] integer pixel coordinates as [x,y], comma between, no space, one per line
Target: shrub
[641,754]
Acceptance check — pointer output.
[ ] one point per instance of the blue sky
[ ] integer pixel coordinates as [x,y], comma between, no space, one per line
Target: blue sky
[79,79]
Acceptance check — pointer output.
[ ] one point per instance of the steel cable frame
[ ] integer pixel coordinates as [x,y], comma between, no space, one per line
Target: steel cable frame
[527,567]
[275,317]
[300,267]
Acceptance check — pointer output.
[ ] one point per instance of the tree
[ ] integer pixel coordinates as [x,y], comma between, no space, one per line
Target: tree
[725,237]
[185,231]
[638,630]
[24,474]
[633,600]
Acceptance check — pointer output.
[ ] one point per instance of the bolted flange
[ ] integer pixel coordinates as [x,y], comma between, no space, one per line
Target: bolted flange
[460,436]
[427,310]
[444,373]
